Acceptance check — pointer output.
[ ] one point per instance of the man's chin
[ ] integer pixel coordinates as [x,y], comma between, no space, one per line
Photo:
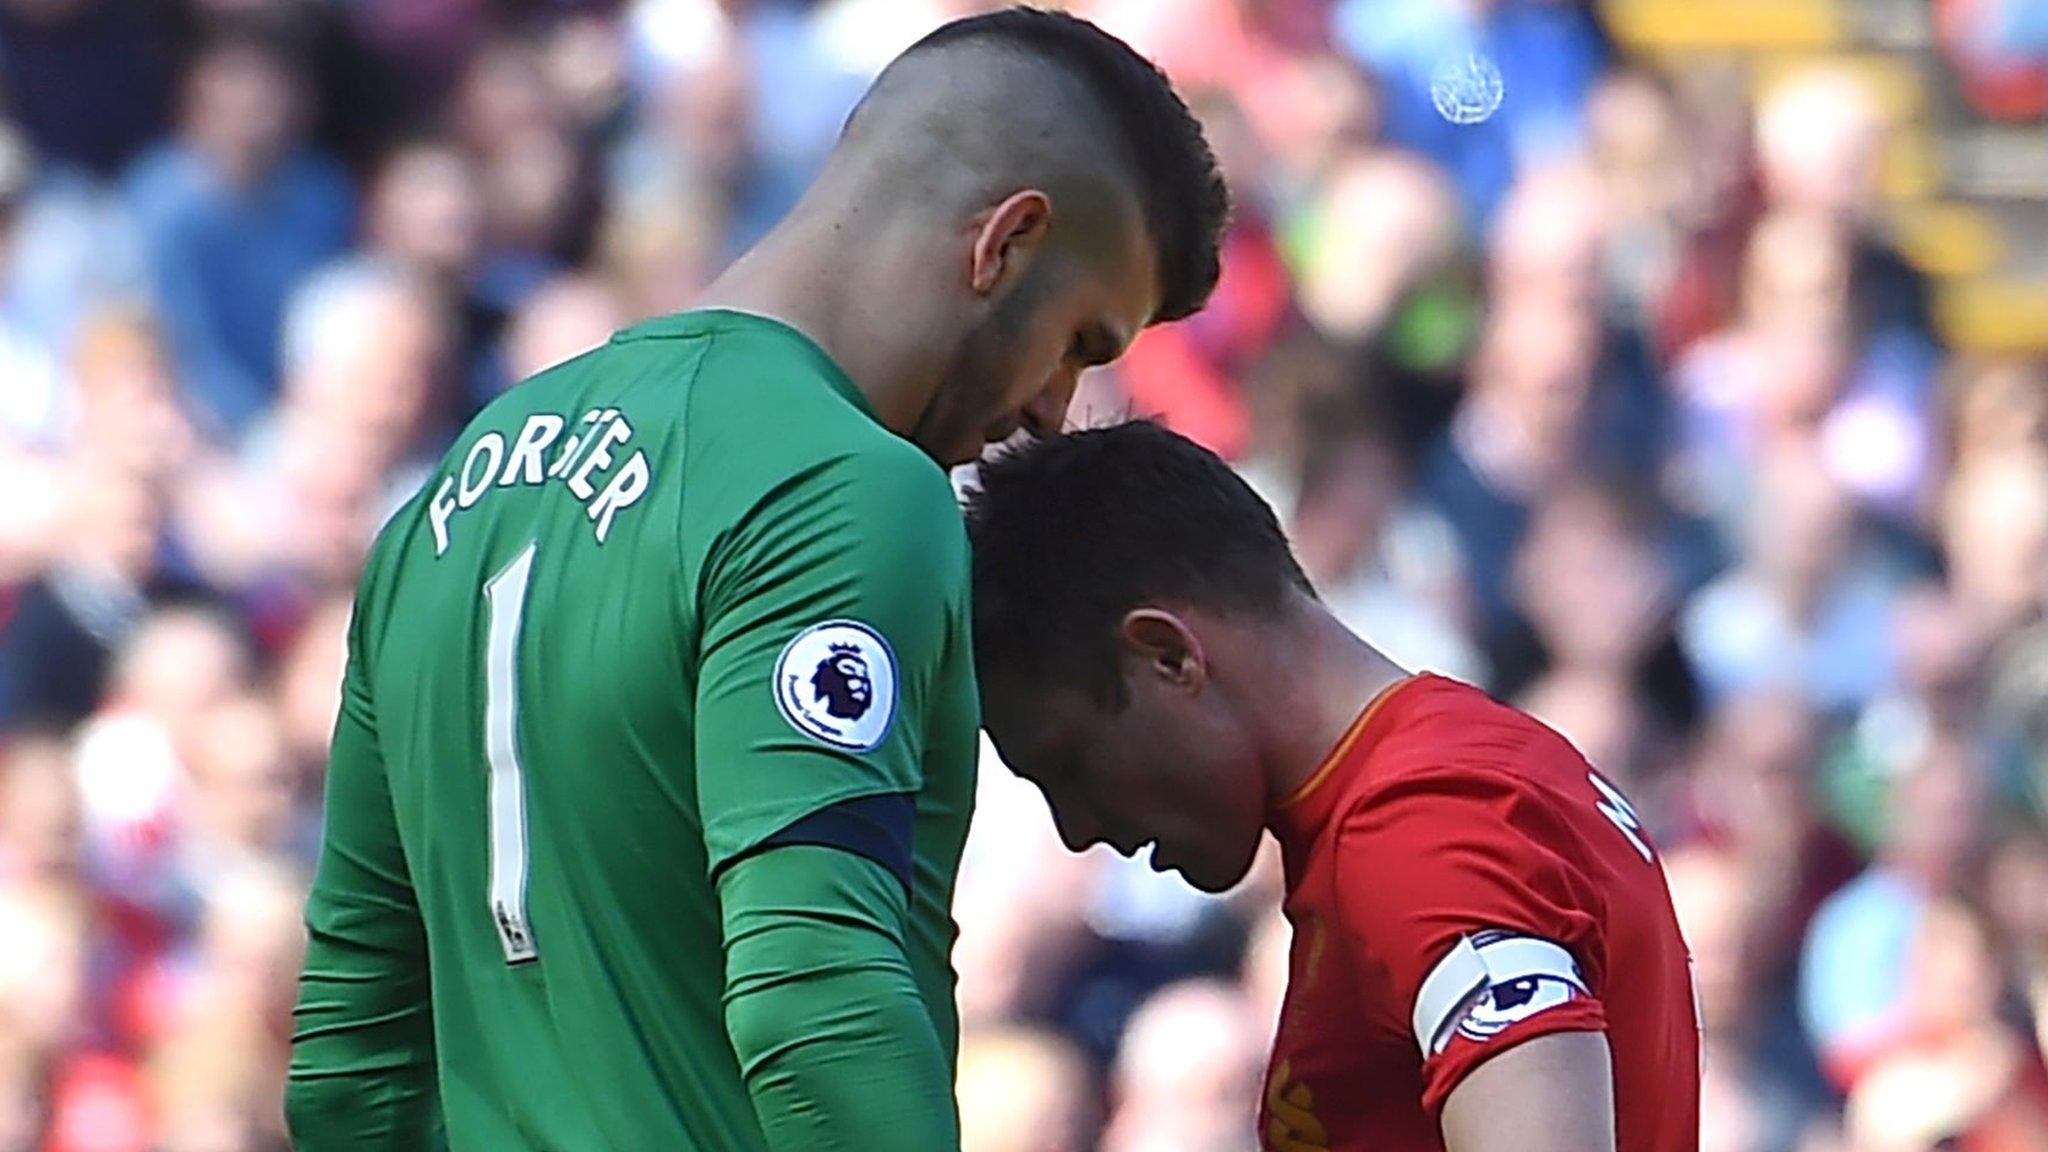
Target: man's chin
[995,441]
[1211,880]
[970,450]
[950,458]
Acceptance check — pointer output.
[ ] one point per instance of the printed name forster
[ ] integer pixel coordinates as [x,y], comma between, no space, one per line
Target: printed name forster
[585,460]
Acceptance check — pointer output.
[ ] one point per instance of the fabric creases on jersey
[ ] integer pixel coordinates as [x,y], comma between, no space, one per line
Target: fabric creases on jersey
[1460,881]
[656,606]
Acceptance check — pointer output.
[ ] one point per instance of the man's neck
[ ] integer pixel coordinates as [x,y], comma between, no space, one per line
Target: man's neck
[813,273]
[1310,692]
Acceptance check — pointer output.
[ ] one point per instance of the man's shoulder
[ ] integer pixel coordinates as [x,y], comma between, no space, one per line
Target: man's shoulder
[1434,725]
[1448,745]
[768,413]
[876,487]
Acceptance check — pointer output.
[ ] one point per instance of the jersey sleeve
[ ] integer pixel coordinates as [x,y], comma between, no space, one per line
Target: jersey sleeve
[826,612]
[836,1044]
[362,1066]
[1457,885]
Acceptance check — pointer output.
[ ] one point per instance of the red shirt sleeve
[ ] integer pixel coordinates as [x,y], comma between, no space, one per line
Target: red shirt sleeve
[1458,884]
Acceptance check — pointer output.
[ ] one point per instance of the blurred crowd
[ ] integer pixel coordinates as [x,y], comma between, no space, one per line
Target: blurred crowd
[1619,403]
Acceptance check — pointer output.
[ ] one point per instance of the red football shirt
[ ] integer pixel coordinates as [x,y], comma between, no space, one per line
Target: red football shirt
[1460,880]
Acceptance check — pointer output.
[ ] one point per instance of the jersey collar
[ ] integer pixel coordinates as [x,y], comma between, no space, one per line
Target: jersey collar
[1299,818]
[696,320]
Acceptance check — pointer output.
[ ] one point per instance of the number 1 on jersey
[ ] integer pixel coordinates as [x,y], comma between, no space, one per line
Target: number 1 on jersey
[507,595]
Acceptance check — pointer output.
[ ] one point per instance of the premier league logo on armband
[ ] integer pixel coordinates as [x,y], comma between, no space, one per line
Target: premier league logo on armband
[1528,976]
[1512,1002]
[836,682]
[1490,981]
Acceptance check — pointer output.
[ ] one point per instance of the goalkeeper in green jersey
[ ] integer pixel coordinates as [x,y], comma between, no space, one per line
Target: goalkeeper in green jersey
[657,740]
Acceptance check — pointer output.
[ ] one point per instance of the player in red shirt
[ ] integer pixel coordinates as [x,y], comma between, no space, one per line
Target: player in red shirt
[1485,957]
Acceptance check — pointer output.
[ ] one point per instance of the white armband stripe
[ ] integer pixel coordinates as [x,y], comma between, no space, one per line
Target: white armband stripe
[1455,979]
[1469,968]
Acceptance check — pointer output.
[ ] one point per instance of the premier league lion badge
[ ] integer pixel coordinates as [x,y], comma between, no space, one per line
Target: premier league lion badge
[844,683]
[836,682]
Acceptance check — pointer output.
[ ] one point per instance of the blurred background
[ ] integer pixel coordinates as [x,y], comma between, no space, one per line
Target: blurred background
[1693,400]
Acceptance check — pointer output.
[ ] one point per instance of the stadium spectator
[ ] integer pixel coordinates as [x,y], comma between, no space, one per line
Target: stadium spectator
[659,247]
[1187,1073]
[425,210]
[566,317]
[1380,270]
[29,405]
[40,832]
[1387,567]
[1788,373]
[1598,656]
[504,91]
[1023,1091]
[1807,607]
[68,245]
[133,754]
[121,413]
[1962,1076]
[1490,372]
[1380,225]
[1747,1103]
[1940,648]
[1820,137]
[44,998]
[748,98]
[125,408]
[307,689]
[243,799]
[1637,148]
[291,518]
[1856,971]
[212,1067]
[1994,532]
[1775,376]
[1190,375]
[1755,790]
[1520,433]
[1996,404]
[70,618]
[235,211]
[1549,247]
[2015,900]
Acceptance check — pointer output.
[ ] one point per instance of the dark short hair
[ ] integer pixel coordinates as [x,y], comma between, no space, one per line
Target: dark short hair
[1073,531]
[1186,203]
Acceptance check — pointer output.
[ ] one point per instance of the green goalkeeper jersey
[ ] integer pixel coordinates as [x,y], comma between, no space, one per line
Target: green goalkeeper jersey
[657,606]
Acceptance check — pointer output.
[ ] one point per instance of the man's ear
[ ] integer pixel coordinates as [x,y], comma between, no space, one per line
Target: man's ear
[1005,239]
[1162,645]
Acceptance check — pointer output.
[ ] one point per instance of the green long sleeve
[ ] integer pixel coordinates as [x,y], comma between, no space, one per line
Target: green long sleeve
[836,1045]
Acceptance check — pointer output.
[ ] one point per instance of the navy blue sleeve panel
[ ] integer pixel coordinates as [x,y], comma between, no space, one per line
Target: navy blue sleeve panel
[877,827]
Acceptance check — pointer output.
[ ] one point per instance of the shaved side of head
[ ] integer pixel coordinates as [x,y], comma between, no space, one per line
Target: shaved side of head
[1024,98]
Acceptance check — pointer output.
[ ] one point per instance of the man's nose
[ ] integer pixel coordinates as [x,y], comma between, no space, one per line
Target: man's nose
[1046,415]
